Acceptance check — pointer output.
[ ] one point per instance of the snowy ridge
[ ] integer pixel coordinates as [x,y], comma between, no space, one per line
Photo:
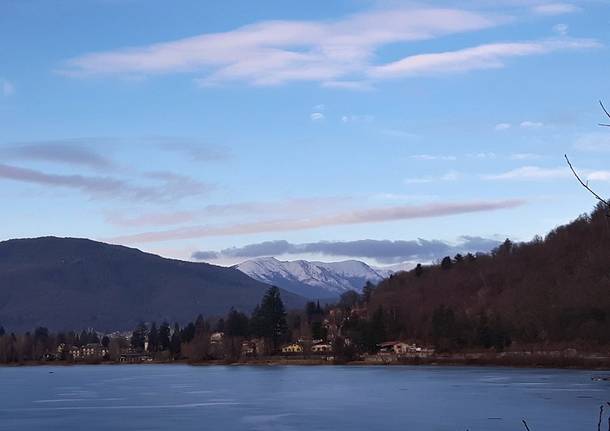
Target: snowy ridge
[313,279]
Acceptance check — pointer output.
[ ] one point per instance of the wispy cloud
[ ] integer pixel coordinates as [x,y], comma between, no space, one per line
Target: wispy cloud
[531,173]
[165,186]
[502,126]
[488,56]
[288,207]
[193,150]
[531,124]
[555,8]
[375,215]
[67,151]
[402,134]
[273,52]
[534,173]
[353,118]
[383,251]
[561,29]
[316,116]
[525,156]
[448,176]
[433,157]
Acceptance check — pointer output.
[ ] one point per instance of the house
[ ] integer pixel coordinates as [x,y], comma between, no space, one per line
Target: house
[401,348]
[134,357]
[217,337]
[248,348]
[292,348]
[321,348]
[88,351]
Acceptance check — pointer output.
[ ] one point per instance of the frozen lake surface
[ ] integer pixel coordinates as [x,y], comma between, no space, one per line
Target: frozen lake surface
[180,397]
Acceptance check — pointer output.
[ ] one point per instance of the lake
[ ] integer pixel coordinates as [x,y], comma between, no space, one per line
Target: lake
[181,397]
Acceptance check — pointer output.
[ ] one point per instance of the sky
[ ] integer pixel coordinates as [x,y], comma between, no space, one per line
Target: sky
[385,131]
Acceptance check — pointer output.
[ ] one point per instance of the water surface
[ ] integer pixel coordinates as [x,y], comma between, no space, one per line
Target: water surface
[180,397]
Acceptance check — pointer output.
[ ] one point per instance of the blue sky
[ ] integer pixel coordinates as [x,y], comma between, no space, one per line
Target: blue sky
[240,129]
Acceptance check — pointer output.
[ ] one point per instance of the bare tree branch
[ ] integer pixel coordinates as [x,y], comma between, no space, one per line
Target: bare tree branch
[586,185]
[606,112]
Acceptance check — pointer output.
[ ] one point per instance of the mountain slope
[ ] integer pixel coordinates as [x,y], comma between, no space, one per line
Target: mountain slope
[67,283]
[555,289]
[312,279]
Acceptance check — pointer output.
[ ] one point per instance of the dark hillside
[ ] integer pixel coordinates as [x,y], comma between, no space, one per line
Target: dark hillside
[66,283]
[550,290]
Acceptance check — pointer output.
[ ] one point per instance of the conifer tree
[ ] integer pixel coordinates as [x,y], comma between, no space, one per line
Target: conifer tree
[164,336]
[269,318]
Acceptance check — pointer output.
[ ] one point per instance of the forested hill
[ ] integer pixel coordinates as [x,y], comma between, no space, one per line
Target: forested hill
[67,283]
[550,290]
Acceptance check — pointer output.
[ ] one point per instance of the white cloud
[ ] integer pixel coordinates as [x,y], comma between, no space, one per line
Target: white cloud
[524,156]
[357,118]
[316,116]
[432,157]
[394,133]
[561,29]
[275,52]
[531,124]
[599,176]
[449,176]
[320,107]
[531,173]
[483,155]
[502,126]
[6,87]
[555,9]
[488,56]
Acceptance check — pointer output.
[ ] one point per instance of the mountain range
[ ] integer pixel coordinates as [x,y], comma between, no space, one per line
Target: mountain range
[68,283]
[314,280]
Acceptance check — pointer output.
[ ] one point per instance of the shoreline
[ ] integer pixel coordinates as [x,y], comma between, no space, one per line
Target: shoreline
[582,363]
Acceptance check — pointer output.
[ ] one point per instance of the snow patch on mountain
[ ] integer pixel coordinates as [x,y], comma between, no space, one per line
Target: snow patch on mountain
[313,279]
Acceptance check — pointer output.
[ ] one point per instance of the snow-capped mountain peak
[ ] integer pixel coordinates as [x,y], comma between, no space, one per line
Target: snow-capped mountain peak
[313,279]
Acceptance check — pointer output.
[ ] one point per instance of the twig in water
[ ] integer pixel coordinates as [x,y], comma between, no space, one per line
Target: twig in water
[525,424]
[599,422]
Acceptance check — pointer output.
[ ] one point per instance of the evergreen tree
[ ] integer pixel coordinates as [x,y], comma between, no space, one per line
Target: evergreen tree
[367,291]
[153,338]
[138,337]
[269,318]
[419,270]
[237,324]
[164,336]
[188,333]
[2,331]
[105,341]
[376,331]
[174,344]
[200,325]
[446,263]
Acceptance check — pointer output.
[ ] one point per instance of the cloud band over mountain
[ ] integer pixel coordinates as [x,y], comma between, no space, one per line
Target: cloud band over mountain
[383,251]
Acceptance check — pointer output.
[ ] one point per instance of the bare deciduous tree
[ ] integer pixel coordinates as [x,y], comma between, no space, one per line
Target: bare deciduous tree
[585,184]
